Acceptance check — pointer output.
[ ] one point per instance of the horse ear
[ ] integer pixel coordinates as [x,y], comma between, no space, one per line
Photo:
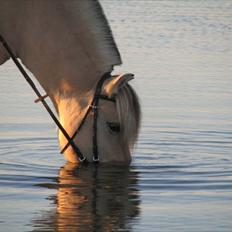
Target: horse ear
[113,85]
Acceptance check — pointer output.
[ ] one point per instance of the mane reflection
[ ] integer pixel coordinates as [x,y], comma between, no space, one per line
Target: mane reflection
[93,199]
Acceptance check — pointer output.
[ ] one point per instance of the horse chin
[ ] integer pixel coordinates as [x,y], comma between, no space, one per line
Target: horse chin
[109,159]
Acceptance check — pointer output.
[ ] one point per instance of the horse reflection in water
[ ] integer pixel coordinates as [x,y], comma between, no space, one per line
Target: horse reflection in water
[94,198]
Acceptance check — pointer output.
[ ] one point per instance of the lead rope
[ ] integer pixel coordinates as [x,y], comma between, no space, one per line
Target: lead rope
[41,98]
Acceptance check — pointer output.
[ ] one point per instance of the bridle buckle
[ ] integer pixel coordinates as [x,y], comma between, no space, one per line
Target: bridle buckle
[93,107]
[95,159]
[82,159]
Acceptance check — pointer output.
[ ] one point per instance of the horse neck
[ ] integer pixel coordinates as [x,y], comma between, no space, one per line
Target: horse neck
[73,54]
[66,42]
[66,45]
[10,27]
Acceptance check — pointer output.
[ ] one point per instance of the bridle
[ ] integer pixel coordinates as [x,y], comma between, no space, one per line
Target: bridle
[92,107]
[95,109]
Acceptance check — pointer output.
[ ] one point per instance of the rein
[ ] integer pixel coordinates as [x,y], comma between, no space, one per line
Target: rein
[93,107]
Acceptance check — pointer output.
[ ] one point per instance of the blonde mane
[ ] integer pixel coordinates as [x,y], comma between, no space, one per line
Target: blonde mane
[89,21]
[129,113]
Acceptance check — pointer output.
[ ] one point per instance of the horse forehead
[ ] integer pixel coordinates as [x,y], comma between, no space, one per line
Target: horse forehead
[109,111]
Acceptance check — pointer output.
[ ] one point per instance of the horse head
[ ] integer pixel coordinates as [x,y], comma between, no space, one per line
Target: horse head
[117,122]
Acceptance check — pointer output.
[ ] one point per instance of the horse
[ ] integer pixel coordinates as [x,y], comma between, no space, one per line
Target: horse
[69,48]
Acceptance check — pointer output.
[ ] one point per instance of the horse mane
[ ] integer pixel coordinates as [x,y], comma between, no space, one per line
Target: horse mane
[129,113]
[92,24]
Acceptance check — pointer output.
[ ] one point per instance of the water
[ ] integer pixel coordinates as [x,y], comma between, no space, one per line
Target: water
[181,176]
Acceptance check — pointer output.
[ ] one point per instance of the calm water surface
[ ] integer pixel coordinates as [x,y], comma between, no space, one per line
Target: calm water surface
[181,176]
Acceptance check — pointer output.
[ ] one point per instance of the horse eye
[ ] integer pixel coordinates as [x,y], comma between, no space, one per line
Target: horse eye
[114,127]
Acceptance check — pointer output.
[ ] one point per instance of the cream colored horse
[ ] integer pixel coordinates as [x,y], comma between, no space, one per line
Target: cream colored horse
[68,46]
